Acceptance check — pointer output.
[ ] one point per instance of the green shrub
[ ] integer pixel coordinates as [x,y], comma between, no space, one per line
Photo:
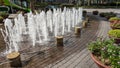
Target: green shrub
[55,3]
[114,18]
[95,12]
[102,14]
[114,33]
[108,15]
[4,14]
[106,50]
[1,19]
[115,25]
[67,5]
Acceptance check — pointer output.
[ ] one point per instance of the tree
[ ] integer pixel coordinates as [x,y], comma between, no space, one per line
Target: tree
[32,7]
[89,2]
[79,2]
[1,2]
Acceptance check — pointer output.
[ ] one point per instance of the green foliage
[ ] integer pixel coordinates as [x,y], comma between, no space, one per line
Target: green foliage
[4,9]
[8,3]
[114,18]
[56,3]
[114,33]
[106,50]
[1,18]
[102,14]
[114,56]
[95,47]
[41,5]
[108,15]
[67,5]
[4,14]
[115,25]
[28,0]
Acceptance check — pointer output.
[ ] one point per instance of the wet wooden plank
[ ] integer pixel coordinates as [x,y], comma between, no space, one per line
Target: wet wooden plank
[74,54]
[78,58]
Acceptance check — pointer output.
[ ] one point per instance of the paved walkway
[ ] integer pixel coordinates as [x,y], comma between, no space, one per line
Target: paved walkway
[74,54]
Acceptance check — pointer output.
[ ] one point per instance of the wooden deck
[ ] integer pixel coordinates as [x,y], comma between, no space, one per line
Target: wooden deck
[74,54]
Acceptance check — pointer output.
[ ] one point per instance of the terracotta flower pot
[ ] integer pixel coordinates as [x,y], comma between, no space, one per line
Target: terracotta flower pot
[112,21]
[114,28]
[99,63]
[117,40]
[115,24]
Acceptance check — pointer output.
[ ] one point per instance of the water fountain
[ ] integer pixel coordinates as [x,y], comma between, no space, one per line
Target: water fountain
[40,28]
[9,37]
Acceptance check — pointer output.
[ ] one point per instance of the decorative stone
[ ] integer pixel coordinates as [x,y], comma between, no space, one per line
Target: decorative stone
[84,24]
[15,60]
[59,40]
[78,31]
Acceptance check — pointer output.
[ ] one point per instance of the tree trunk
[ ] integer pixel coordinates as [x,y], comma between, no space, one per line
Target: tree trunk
[89,2]
[32,5]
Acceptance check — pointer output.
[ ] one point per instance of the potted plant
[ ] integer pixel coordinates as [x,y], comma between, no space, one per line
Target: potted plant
[114,19]
[115,34]
[115,25]
[109,15]
[105,53]
[102,14]
[95,12]
[1,19]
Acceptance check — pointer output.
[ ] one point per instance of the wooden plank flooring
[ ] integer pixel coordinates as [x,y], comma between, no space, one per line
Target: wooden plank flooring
[74,54]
